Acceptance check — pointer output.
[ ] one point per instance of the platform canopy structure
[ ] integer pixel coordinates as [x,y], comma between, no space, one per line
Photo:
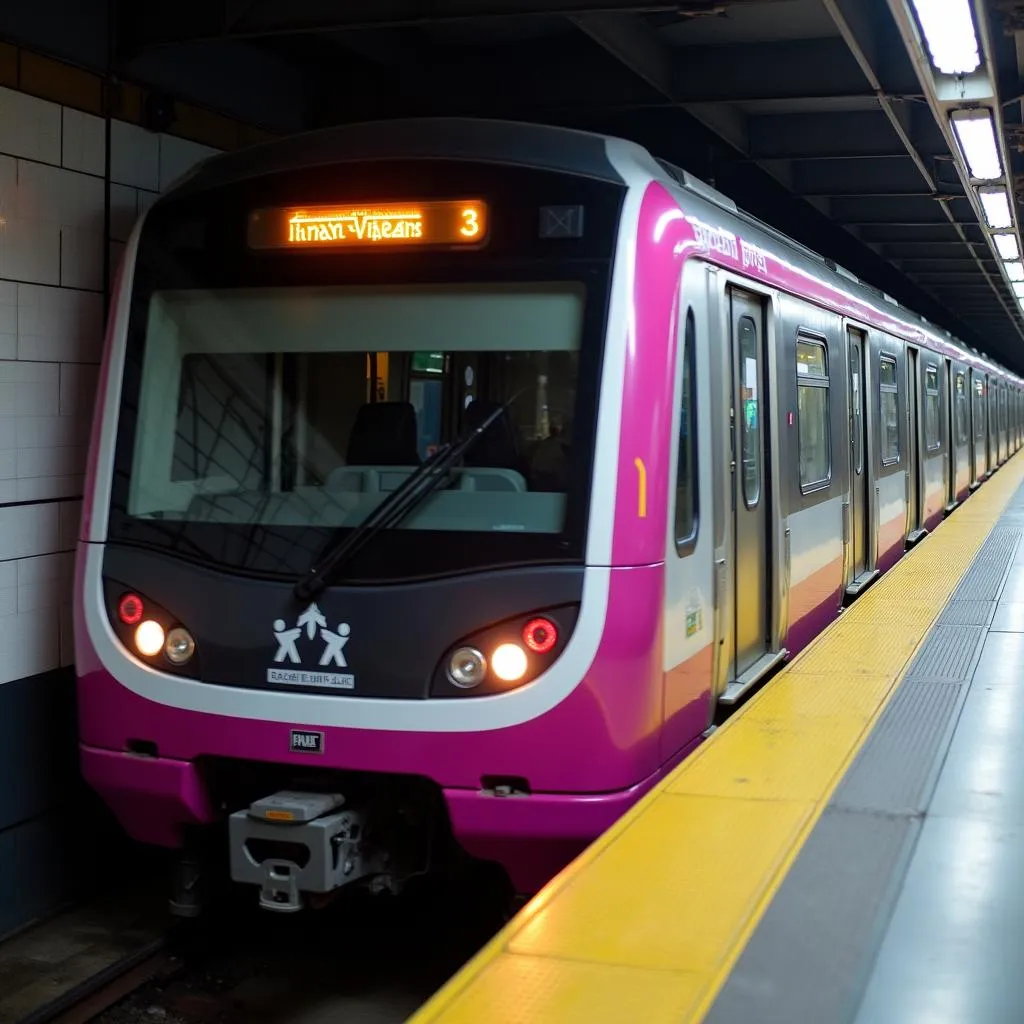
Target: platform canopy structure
[886,134]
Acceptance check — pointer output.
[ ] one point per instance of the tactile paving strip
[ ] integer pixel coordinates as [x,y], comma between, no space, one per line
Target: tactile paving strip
[891,775]
[985,577]
[967,613]
[810,955]
[948,652]
[813,971]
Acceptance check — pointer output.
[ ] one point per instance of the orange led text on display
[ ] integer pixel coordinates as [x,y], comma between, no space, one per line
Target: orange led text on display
[440,223]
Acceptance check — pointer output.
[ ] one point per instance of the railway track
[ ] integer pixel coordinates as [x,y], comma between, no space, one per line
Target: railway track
[364,960]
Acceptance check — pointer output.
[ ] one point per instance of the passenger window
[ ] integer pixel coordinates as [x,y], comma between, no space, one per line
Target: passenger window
[889,403]
[813,414]
[750,434]
[686,464]
[960,399]
[979,410]
[931,408]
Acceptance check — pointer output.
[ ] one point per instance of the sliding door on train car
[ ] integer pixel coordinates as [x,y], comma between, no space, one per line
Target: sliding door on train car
[950,434]
[978,466]
[751,490]
[915,489]
[859,525]
[993,427]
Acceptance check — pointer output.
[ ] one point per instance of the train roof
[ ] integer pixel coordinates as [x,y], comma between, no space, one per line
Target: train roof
[526,144]
[423,138]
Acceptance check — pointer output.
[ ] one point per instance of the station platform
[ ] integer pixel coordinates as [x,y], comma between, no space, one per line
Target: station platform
[846,847]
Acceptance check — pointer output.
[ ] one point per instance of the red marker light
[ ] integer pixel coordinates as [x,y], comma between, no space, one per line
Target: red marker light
[540,635]
[129,609]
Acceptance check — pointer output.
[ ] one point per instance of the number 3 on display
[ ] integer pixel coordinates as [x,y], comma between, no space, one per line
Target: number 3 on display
[470,223]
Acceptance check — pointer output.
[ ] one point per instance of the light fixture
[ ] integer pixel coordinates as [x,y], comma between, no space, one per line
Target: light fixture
[949,34]
[1006,243]
[508,662]
[130,609]
[149,638]
[179,646]
[467,668]
[977,138]
[1014,270]
[540,635]
[1018,289]
[996,205]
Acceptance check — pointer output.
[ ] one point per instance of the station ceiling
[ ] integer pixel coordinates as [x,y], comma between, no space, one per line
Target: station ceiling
[819,116]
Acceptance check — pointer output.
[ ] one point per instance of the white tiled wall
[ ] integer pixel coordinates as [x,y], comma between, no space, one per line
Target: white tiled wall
[52,166]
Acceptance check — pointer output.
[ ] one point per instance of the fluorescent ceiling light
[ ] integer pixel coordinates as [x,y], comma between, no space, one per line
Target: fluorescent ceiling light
[1014,271]
[1018,289]
[996,206]
[949,34]
[977,138]
[1006,243]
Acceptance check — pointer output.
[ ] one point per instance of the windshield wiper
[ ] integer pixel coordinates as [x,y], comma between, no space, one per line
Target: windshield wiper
[408,496]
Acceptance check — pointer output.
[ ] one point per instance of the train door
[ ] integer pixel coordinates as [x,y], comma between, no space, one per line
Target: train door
[990,418]
[751,475]
[859,483]
[952,436]
[914,488]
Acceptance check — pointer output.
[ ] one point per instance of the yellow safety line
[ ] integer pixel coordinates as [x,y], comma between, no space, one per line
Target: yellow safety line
[647,923]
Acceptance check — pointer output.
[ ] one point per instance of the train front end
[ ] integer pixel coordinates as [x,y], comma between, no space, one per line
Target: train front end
[345,587]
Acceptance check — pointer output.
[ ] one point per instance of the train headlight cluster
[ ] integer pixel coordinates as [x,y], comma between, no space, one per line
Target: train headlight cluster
[150,636]
[511,653]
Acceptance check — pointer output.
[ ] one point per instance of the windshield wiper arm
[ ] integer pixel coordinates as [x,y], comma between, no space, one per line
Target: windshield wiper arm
[402,500]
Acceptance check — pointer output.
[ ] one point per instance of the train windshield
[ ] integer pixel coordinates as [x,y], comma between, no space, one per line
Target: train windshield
[309,406]
[278,410]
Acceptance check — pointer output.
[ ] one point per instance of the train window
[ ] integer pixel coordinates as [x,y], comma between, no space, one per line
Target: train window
[979,412]
[931,408]
[750,435]
[813,414]
[960,408]
[686,463]
[312,405]
[889,404]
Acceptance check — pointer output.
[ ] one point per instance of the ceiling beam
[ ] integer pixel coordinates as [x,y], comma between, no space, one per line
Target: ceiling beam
[635,45]
[923,267]
[796,69]
[878,177]
[844,135]
[910,210]
[939,249]
[163,23]
[639,48]
[913,232]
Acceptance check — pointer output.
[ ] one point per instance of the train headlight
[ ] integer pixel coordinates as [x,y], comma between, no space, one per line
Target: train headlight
[179,646]
[467,667]
[508,662]
[149,638]
[510,653]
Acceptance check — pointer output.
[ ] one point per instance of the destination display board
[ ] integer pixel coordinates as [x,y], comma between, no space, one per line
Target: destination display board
[370,225]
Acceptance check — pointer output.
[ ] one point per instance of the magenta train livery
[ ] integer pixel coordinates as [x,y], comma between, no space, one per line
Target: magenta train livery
[448,477]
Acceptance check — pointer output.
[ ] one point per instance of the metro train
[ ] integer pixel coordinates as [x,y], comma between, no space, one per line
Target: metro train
[450,477]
